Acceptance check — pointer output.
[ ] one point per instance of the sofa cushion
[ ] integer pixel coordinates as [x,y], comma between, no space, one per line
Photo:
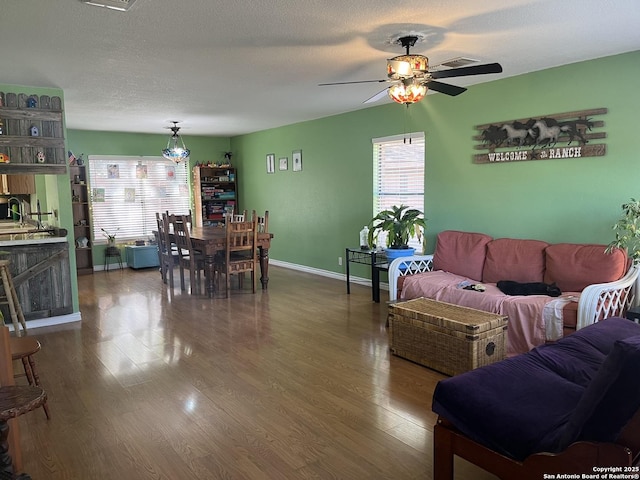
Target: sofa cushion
[611,398]
[575,266]
[462,253]
[507,406]
[514,259]
[530,403]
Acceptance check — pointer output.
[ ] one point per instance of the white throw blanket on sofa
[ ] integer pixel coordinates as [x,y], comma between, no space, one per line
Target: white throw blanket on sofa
[553,317]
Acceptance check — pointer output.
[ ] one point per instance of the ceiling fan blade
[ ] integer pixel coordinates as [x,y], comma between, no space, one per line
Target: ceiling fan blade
[377,96]
[445,88]
[349,83]
[466,71]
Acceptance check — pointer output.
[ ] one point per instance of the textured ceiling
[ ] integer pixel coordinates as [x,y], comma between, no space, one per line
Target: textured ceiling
[226,68]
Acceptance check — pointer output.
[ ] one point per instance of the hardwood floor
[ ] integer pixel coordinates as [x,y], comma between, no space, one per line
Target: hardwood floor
[293,383]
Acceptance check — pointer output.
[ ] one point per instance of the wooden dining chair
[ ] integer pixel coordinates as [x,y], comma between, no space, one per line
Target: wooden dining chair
[187,216]
[263,222]
[240,255]
[238,217]
[167,250]
[188,257]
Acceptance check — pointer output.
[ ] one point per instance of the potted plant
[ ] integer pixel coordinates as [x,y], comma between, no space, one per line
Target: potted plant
[111,238]
[401,223]
[627,230]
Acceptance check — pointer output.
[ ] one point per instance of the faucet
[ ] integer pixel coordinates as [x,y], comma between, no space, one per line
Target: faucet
[20,211]
[39,214]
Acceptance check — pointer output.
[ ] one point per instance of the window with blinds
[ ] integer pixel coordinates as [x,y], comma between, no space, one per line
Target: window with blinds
[398,175]
[126,193]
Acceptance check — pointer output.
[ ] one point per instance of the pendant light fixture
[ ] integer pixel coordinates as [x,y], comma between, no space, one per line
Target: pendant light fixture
[176,149]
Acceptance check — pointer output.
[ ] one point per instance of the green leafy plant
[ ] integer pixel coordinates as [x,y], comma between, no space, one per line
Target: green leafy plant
[401,223]
[627,230]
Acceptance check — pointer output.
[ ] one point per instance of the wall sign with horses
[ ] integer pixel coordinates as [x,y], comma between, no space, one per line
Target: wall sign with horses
[557,136]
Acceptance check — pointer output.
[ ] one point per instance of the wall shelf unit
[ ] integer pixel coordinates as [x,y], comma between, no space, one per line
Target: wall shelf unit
[30,130]
[81,219]
[215,192]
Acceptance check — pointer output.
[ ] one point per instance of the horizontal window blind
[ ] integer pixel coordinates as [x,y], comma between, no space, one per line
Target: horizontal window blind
[398,177]
[126,193]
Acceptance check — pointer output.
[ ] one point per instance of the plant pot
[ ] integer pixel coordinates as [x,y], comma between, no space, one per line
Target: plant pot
[393,253]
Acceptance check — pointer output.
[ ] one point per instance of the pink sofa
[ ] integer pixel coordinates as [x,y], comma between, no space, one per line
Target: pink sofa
[595,285]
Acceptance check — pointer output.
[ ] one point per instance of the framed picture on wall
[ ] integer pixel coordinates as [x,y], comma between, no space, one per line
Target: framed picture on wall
[271,163]
[284,163]
[296,157]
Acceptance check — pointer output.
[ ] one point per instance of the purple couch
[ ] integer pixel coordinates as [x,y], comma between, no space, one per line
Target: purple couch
[585,388]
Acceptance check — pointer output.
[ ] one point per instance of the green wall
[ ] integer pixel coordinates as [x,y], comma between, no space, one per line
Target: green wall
[315,213]
[203,149]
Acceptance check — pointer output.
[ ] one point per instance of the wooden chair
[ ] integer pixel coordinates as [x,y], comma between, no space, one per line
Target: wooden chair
[187,216]
[24,348]
[241,253]
[167,251]
[7,378]
[263,222]
[188,257]
[237,217]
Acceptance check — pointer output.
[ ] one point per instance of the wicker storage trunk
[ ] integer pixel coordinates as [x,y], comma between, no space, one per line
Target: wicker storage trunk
[445,337]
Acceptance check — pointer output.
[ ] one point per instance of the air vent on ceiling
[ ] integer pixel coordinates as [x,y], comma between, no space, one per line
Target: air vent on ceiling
[122,5]
[458,62]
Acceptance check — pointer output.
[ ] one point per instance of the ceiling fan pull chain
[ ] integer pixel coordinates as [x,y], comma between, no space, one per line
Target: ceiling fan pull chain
[406,114]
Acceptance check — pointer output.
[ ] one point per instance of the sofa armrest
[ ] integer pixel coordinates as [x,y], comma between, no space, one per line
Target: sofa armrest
[403,266]
[604,300]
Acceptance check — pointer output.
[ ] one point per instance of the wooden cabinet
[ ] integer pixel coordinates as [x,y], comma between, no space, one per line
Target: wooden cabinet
[216,194]
[81,218]
[31,135]
[21,184]
[41,277]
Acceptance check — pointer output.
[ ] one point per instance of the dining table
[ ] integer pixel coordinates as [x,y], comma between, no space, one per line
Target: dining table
[210,240]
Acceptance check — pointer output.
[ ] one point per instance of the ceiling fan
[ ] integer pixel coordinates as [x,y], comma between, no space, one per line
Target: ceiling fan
[410,76]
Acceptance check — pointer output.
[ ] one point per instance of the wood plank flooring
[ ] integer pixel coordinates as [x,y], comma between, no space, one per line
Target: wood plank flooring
[293,383]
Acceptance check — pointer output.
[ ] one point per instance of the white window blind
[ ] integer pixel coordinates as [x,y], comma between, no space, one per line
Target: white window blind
[398,175]
[126,193]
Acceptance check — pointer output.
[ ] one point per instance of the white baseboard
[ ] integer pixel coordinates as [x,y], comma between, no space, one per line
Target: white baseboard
[51,321]
[327,273]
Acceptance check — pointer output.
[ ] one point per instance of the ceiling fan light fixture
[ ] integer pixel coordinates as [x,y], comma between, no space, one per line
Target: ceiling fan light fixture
[407,92]
[405,66]
[176,150]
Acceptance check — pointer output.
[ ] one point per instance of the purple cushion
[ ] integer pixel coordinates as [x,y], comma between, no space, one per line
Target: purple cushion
[528,404]
[612,397]
[587,350]
[507,406]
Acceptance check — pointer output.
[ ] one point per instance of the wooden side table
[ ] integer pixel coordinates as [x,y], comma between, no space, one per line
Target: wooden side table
[15,400]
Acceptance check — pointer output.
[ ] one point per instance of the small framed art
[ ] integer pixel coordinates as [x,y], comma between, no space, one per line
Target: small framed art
[271,163]
[296,157]
[284,163]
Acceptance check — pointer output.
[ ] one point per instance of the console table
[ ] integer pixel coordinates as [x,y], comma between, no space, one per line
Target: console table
[377,259]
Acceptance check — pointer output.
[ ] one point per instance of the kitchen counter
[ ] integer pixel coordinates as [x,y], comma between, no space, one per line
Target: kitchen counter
[41,273]
[14,233]
[25,239]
